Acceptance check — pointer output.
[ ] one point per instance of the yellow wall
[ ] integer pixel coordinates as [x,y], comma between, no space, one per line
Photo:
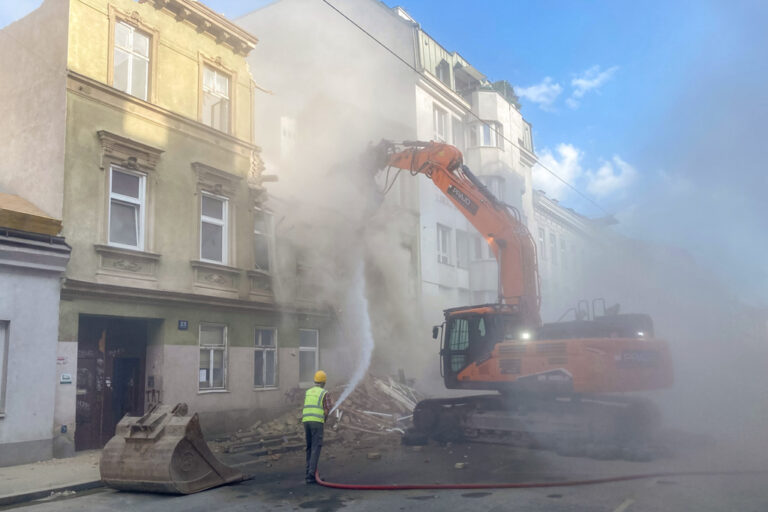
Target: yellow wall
[180,48]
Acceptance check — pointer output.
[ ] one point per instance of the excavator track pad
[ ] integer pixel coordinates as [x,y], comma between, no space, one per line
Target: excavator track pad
[163,451]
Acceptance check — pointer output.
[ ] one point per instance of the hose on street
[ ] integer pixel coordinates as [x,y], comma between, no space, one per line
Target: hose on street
[530,485]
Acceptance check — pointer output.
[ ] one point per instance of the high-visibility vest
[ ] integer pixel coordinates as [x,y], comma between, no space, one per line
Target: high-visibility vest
[313,405]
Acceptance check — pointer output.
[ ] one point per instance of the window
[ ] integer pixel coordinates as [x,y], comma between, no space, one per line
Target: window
[215,99]
[126,208]
[262,236]
[213,357]
[563,255]
[553,247]
[462,249]
[3,363]
[265,358]
[542,244]
[213,229]
[443,72]
[487,134]
[308,355]
[527,138]
[457,133]
[441,119]
[443,244]
[131,61]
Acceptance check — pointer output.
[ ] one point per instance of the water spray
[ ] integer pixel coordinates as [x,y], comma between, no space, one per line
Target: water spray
[356,324]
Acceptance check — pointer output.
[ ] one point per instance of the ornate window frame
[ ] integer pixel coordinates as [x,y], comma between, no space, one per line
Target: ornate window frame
[134,19]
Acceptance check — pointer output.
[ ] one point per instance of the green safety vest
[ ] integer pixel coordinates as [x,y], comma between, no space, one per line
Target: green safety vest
[313,405]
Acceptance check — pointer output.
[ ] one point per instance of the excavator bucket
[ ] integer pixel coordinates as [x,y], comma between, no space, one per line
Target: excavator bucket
[163,451]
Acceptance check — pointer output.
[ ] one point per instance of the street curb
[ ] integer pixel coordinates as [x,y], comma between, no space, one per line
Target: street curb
[36,495]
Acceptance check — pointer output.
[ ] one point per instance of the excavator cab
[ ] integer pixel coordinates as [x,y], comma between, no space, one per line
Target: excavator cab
[470,335]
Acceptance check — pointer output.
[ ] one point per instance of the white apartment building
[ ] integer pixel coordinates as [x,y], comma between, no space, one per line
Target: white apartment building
[569,248]
[457,104]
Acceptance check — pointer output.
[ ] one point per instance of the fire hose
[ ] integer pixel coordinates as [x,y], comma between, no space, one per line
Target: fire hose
[529,485]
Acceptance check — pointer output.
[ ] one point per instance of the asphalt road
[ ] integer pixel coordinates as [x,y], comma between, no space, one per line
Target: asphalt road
[278,485]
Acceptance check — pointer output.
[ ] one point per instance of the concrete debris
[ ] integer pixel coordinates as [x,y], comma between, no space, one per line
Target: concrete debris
[377,407]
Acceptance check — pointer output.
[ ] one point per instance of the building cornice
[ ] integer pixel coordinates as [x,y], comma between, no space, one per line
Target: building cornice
[75,289]
[32,251]
[208,21]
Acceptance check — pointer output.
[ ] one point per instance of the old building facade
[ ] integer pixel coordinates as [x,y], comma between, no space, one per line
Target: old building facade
[150,159]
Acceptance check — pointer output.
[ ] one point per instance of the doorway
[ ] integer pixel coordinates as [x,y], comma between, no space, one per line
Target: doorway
[110,376]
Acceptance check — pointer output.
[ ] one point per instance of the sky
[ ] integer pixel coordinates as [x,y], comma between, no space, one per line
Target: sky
[654,111]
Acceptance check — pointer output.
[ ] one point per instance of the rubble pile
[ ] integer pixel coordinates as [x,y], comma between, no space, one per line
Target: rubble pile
[377,407]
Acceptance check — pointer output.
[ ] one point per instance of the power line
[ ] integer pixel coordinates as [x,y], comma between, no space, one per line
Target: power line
[490,126]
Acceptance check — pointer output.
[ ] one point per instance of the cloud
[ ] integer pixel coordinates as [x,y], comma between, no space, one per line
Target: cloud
[565,163]
[613,178]
[543,94]
[590,80]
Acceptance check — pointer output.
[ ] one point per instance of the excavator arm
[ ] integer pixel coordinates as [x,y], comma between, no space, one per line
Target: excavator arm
[499,223]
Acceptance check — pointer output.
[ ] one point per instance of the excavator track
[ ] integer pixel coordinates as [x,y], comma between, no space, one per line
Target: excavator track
[601,427]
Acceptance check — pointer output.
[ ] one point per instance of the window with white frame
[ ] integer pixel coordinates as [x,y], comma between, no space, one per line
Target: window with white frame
[213,228]
[126,208]
[262,240]
[487,134]
[265,358]
[216,99]
[441,122]
[309,355]
[213,357]
[542,244]
[3,363]
[462,249]
[131,61]
[443,244]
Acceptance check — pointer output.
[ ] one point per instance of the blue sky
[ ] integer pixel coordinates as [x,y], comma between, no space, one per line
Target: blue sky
[655,110]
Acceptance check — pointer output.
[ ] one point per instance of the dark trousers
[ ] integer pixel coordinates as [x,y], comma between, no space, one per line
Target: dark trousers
[314,433]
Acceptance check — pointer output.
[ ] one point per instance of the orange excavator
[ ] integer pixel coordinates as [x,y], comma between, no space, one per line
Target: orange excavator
[561,385]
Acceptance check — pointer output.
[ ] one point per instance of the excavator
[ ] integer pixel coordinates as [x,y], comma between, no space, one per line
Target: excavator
[561,385]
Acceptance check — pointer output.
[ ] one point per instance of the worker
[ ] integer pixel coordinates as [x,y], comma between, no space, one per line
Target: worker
[317,407]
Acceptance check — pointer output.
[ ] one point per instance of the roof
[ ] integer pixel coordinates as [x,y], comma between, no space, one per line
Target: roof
[18,213]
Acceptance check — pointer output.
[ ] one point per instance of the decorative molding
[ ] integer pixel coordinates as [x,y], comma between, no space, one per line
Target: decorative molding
[127,153]
[73,289]
[126,263]
[217,277]
[260,282]
[215,180]
[207,21]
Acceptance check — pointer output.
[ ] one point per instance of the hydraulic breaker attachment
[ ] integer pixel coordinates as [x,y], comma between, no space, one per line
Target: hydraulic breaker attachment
[163,451]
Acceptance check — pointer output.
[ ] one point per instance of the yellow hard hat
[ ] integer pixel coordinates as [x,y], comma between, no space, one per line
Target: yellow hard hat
[320,376]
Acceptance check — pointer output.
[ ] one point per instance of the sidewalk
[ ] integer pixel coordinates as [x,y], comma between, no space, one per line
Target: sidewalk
[40,479]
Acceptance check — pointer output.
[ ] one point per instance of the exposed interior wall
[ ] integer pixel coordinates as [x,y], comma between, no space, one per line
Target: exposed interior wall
[33,57]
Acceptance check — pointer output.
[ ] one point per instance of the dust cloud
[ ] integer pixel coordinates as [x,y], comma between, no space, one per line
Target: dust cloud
[341,241]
